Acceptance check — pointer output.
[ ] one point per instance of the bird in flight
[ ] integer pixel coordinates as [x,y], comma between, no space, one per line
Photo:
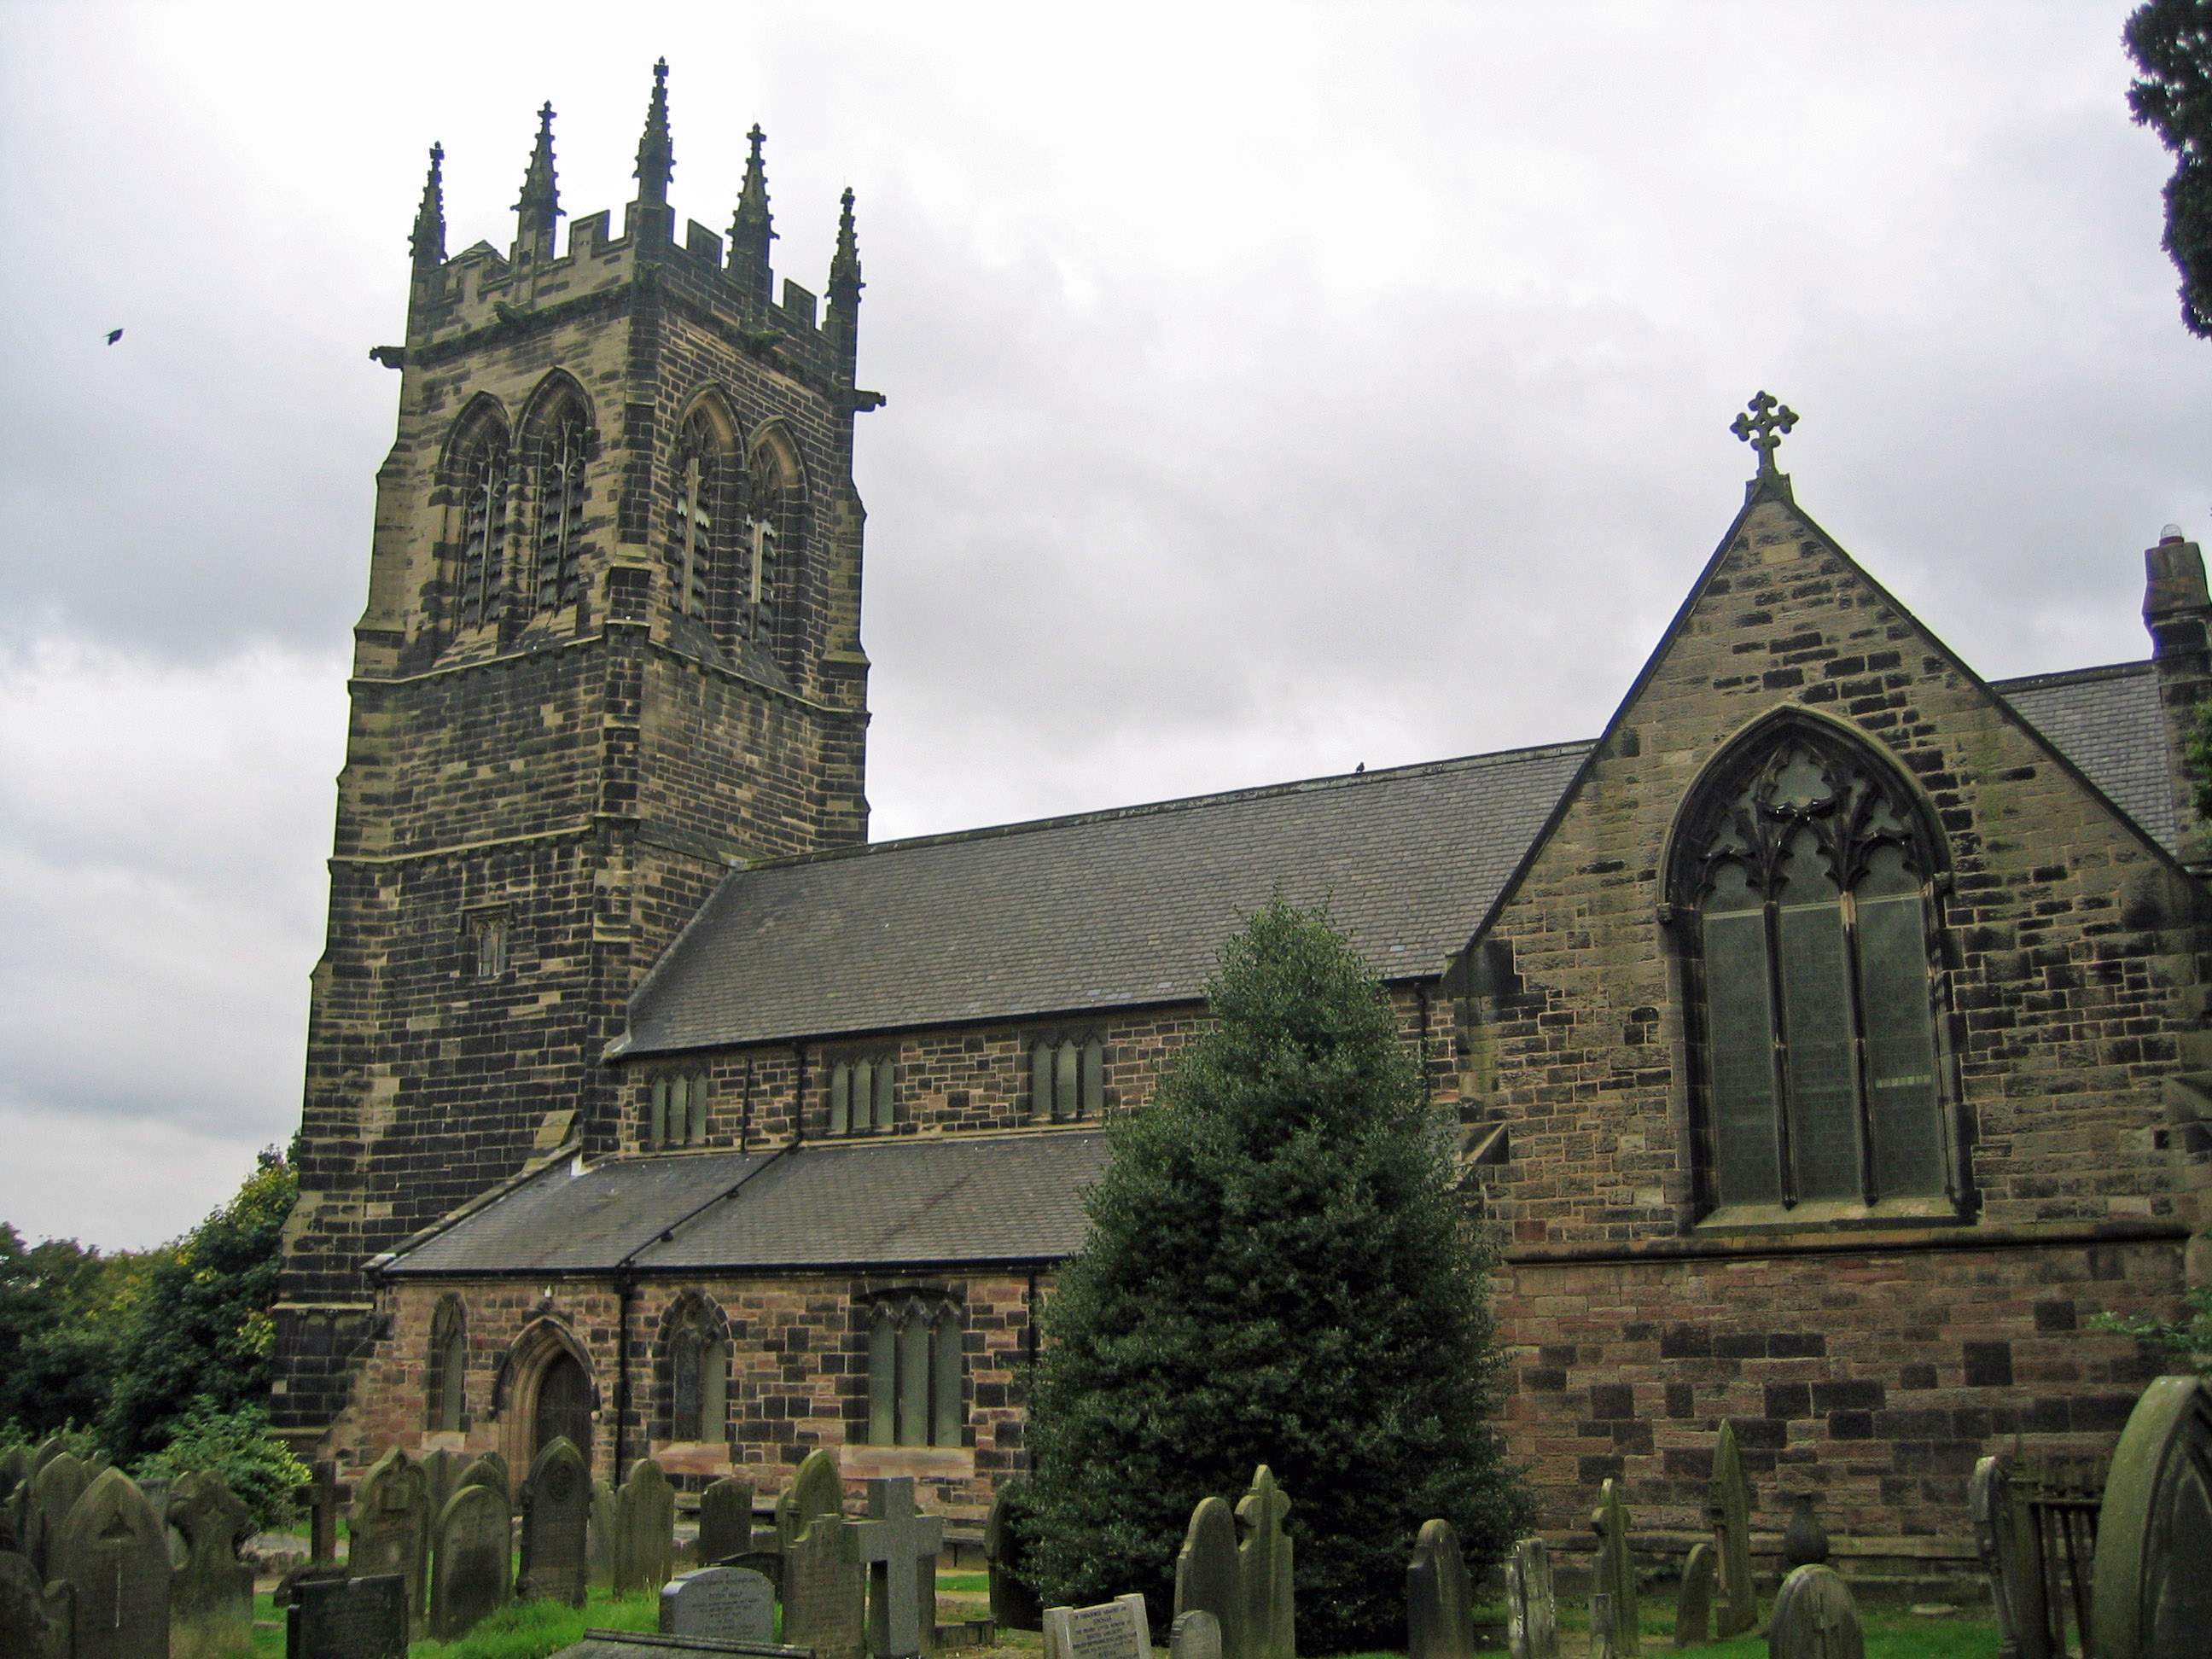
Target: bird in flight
[114,335]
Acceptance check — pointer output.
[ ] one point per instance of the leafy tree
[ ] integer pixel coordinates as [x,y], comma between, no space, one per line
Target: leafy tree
[1279,1272]
[237,1445]
[200,1334]
[2171,41]
[62,1311]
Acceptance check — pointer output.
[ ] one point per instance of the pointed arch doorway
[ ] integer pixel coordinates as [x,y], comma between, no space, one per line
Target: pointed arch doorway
[545,1391]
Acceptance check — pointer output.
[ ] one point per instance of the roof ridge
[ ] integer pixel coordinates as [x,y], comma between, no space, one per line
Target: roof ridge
[1178,804]
[2111,671]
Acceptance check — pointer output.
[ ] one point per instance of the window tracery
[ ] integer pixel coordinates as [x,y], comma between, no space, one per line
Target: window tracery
[698,1359]
[482,587]
[561,454]
[697,484]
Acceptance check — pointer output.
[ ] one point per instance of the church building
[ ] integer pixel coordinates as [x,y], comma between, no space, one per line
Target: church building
[1825,1041]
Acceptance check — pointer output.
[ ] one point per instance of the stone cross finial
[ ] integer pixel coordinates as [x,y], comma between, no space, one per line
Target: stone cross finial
[1769,420]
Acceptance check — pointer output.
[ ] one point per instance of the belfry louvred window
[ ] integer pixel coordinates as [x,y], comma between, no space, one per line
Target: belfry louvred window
[482,596]
[1803,866]
[560,482]
[692,548]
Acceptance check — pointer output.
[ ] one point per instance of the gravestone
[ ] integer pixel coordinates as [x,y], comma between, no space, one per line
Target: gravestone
[114,1552]
[1996,1539]
[211,1593]
[825,1591]
[1118,1629]
[1439,1600]
[898,1545]
[2153,1589]
[1614,1622]
[601,1535]
[1194,1635]
[322,1513]
[34,1616]
[729,1604]
[1532,1610]
[1014,1605]
[14,1476]
[442,1474]
[556,1511]
[726,1520]
[818,1488]
[1206,1578]
[1263,1571]
[1693,1601]
[348,1618]
[56,1485]
[489,1471]
[48,1450]
[471,1559]
[645,1529]
[389,1527]
[1728,1508]
[1815,1617]
[1804,1541]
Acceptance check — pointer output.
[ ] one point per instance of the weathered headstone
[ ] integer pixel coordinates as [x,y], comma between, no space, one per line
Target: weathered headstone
[1206,1578]
[1693,1600]
[603,1537]
[490,1471]
[1614,1630]
[729,1604]
[1990,1509]
[825,1591]
[1439,1600]
[211,1595]
[2153,1589]
[1727,1507]
[818,1488]
[14,1476]
[1815,1617]
[348,1619]
[48,1450]
[388,1528]
[645,1529]
[1118,1629]
[472,1560]
[34,1616]
[898,1545]
[1804,1541]
[442,1474]
[1194,1635]
[726,1520]
[114,1550]
[1263,1571]
[322,1513]
[556,1511]
[1532,1608]
[1014,1605]
[56,1485]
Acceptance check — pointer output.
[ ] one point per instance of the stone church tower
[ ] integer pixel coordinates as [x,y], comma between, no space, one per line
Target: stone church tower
[611,647]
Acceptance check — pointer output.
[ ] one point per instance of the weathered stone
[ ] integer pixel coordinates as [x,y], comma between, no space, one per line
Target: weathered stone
[727,1604]
[1194,1635]
[825,1591]
[1693,1600]
[818,1488]
[1612,1579]
[14,1478]
[898,1545]
[489,1471]
[114,1551]
[1439,1600]
[1727,1507]
[1531,1608]
[322,1513]
[472,1560]
[55,1485]
[1264,1571]
[1112,1630]
[211,1593]
[1804,1541]
[645,1529]
[348,1618]
[2152,1594]
[1206,1577]
[602,1538]
[389,1528]
[1996,1538]
[1014,1604]
[556,1511]
[1815,1617]
[726,1520]
[34,1616]
[441,1476]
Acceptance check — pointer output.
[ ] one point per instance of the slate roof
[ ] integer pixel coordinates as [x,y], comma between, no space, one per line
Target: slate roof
[904,1202]
[2107,721]
[1098,910]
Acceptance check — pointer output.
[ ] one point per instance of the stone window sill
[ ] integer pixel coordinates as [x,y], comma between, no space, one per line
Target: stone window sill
[1752,1220]
[924,1462]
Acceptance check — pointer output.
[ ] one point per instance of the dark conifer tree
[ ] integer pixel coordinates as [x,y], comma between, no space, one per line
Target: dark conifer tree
[2171,41]
[1279,1272]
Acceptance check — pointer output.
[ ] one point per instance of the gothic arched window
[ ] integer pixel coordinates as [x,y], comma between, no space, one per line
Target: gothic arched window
[1802,866]
[914,1373]
[480,575]
[699,467]
[698,1359]
[775,529]
[446,1386]
[562,440]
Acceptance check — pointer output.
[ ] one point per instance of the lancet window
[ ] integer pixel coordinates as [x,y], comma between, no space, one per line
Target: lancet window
[445,1390]
[560,489]
[1806,865]
[698,1360]
[1067,1077]
[481,587]
[698,482]
[774,512]
[915,1372]
[863,1095]
[677,1113]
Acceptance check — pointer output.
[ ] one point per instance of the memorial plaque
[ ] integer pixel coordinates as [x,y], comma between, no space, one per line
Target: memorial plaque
[556,1510]
[1194,1635]
[348,1619]
[1118,1629]
[825,1591]
[1206,1578]
[725,1521]
[1264,1571]
[114,1551]
[471,1561]
[730,1604]
[1532,1608]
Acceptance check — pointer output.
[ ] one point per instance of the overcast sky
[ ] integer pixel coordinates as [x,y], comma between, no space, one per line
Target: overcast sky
[1272,389]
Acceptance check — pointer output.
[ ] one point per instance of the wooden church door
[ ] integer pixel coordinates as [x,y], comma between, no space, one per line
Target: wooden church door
[564,1407]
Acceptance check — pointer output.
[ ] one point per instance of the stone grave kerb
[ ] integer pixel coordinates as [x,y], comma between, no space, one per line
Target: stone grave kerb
[893,1543]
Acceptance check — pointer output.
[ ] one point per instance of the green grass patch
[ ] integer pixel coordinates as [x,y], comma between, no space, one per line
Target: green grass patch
[964,1584]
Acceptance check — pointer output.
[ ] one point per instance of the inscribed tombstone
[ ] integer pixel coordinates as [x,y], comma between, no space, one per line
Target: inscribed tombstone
[556,1510]
[1014,1605]
[442,1474]
[348,1618]
[1815,1617]
[825,1591]
[211,1593]
[601,1537]
[33,1616]
[2152,1594]
[389,1526]
[1263,1571]
[1439,1600]
[726,1520]
[473,1549]
[114,1550]
[1206,1578]
[56,1485]
[1118,1629]
[899,1546]
[1532,1610]
[1194,1635]
[818,1488]
[489,1470]
[729,1604]
[1693,1601]
[1728,1508]
[645,1529]
[1613,1580]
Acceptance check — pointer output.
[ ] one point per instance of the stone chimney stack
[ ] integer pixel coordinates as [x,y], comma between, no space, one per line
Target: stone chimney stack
[2177,611]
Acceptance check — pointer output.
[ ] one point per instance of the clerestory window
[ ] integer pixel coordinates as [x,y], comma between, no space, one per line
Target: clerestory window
[1067,1077]
[863,1095]
[914,1373]
[676,1114]
[1805,864]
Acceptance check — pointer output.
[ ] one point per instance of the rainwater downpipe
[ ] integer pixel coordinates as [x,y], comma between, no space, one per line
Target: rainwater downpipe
[625,1293]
